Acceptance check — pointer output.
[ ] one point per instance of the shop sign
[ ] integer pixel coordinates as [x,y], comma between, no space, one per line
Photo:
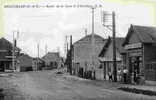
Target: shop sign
[133,46]
[135,54]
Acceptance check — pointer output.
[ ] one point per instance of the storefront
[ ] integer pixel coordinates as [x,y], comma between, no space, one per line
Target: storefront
[134,61]
[140,60]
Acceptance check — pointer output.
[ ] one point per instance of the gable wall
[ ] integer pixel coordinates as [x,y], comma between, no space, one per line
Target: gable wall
[134,38]
[83,53]
[109,52]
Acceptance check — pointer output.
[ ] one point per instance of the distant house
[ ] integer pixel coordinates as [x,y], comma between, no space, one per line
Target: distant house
[38,64]
[52,60]
[6,48]
[106,56]
[140,45]
[24,63]
[85,54]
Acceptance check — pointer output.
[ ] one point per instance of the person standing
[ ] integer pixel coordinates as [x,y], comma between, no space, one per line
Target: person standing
[125,71]
[110,76]
[119,74]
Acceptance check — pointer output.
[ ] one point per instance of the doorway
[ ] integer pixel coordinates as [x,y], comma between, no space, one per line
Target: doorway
[135,63]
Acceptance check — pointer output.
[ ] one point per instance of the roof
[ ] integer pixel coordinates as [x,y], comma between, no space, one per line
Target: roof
[146,34]
[119,47]
[88,38]
[6,45]
[25,60]
[51,56]
[119,42]
[38,59]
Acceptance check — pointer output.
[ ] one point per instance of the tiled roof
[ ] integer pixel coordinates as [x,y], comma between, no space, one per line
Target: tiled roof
[146,34]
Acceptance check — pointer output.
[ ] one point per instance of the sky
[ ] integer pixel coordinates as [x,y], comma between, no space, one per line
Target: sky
[49,26]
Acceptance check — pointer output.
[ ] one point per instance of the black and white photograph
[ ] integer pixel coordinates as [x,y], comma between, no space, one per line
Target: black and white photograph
[77,49]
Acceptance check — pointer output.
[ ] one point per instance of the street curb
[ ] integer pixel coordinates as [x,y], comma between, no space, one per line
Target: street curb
[138,91]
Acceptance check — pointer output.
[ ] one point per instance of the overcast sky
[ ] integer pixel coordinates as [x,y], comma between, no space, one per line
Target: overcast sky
[51,25]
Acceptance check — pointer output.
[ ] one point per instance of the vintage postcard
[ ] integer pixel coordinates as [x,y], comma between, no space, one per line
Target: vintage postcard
[77,49]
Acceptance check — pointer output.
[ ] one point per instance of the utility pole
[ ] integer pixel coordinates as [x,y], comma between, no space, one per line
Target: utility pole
[93,44]
[14,49]
[113,27]
[58,50]
[38,54]
[46,53]
[70,56]
[67,55]
[13,53]
[85,31]
[114,47]
[66,45]
[46,47]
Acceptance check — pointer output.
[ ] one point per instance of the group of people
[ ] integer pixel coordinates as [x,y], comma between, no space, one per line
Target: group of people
[121,75]
[88,74]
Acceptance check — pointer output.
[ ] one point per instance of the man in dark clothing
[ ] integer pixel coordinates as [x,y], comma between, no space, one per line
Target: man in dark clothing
[125,75]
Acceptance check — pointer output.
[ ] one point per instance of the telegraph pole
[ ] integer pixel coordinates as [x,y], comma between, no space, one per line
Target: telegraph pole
[113,27]
[67,53]
[93,43]
[14,48]
[85,31]
[114,47]
[46,47]
[13,53]
[70,56]
[38,54]
[38,50]
[66,45]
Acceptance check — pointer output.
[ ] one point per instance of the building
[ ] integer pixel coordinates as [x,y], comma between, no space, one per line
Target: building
[52,60]
[106,56]
[6,48]
[38,64]
[24,63]
[85,54]
[140,45]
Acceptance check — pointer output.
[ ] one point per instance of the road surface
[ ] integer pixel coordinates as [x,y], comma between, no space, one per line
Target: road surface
[47,85]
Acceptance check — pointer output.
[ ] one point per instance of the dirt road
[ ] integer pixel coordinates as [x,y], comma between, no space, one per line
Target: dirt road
[47,85]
